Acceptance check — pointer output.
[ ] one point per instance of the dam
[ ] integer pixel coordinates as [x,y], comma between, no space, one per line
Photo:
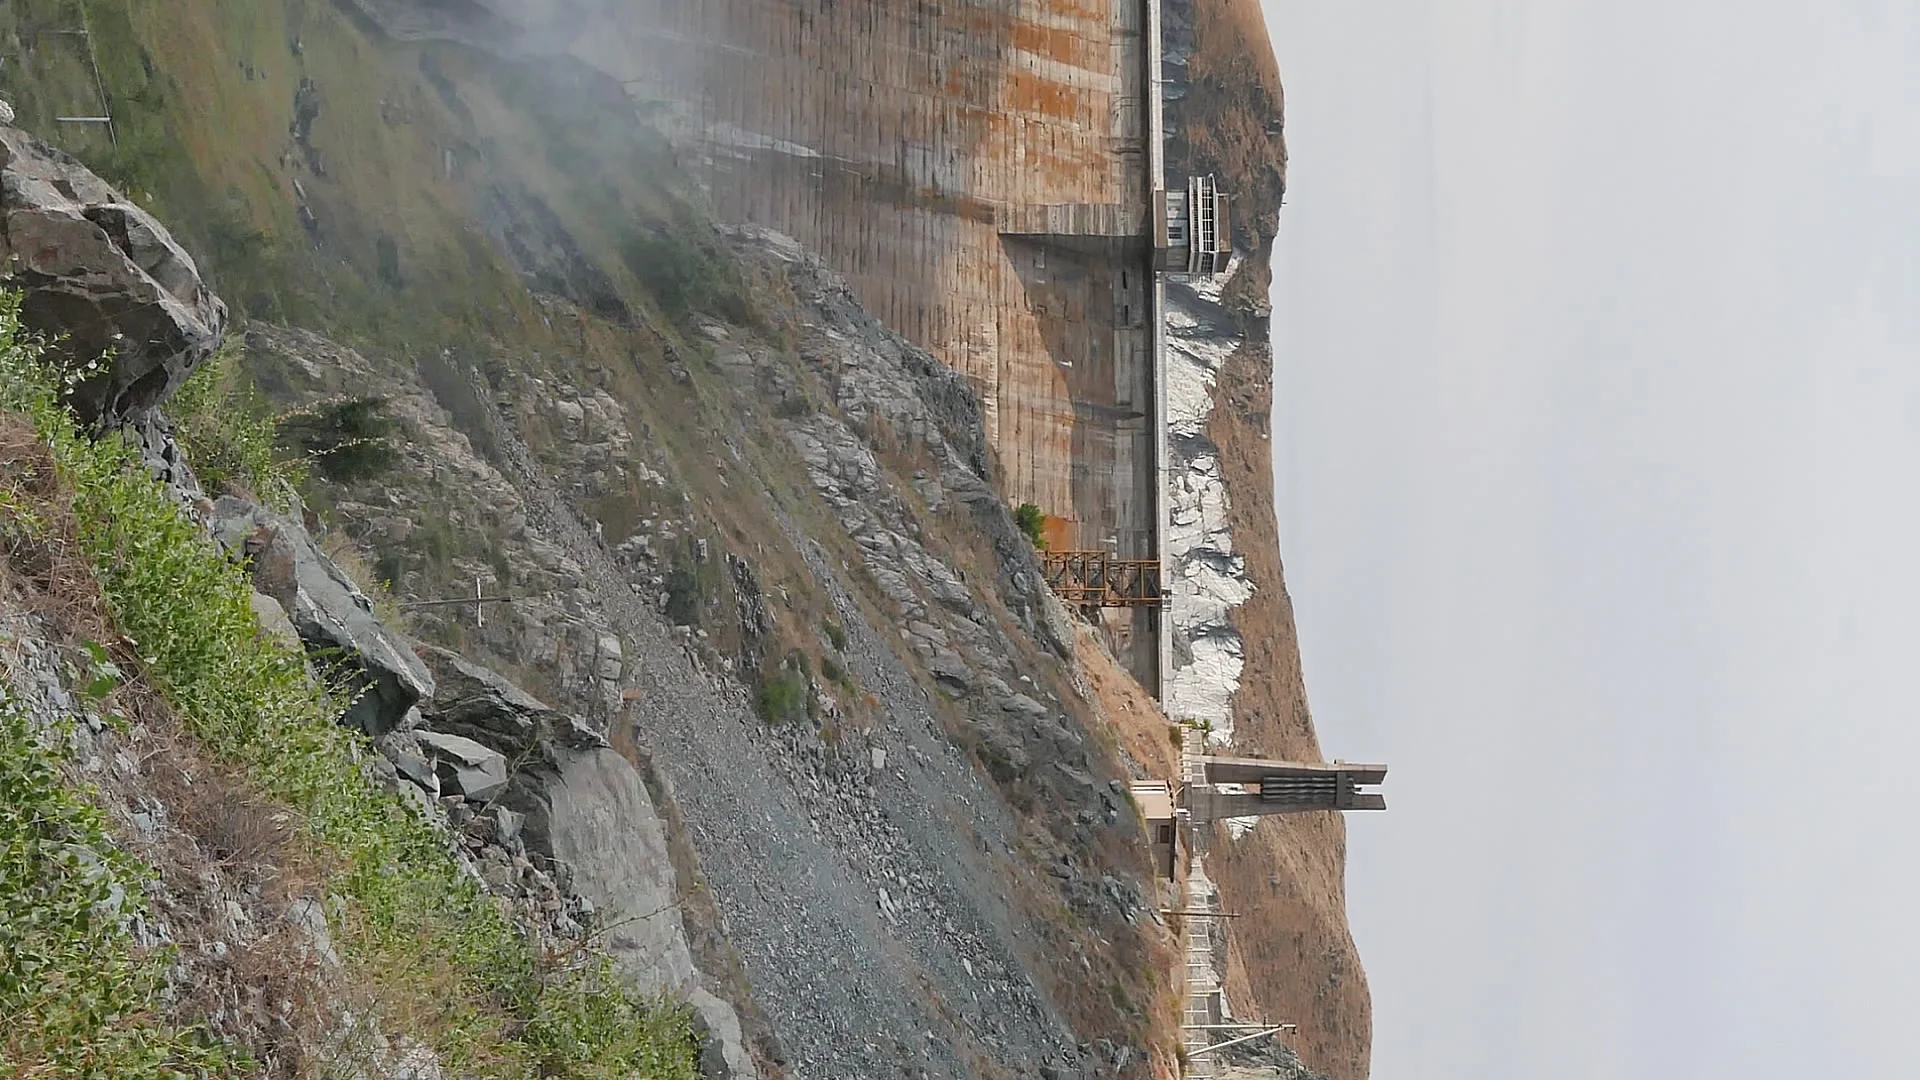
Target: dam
[989,176]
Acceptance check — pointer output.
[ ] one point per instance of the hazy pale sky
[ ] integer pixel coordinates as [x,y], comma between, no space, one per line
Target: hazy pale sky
[1597,438]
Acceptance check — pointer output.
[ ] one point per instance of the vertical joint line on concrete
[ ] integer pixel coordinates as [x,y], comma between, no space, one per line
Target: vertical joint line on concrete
[1156,310]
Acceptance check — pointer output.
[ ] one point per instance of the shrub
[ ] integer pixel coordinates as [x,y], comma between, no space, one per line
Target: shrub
[345,440]
[1031,520]
[836,634]
[230,433]
[783,697]
[685,595]
[685,276]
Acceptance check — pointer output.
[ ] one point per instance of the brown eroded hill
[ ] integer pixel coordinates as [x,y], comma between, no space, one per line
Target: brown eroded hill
[1292,958]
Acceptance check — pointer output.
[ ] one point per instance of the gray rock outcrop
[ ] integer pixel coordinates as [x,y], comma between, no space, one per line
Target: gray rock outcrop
[580,806]
[1265,1059]
[601,823]
[465,767]
[509,27]
[328,611]
[480,704]
[101,279]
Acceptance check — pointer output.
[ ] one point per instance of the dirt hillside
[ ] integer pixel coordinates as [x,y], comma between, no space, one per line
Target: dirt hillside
[1293,960]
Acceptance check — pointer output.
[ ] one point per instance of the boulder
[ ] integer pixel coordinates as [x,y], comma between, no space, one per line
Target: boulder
[1023,705]
[274,624]
[416,770]
[151,436]
[590,810]
[309,923]
[482,705]
[465,767]
[102,280]
[1056,732]
[1003,755]
[328,611]
[412,1060]
[723,1051]
[573,800]
[951,672]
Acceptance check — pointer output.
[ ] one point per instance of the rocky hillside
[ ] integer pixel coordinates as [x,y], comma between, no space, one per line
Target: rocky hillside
[764,703]
[1291,957]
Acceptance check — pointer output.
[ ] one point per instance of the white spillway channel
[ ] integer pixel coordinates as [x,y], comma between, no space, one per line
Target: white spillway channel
[1207,578]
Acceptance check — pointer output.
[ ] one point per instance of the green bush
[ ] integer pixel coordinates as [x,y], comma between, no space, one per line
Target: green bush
[836,634]
[685,276]
[345,440]
[1031,520]
[685,596]
[783,697]
[229,433]
[498,1010]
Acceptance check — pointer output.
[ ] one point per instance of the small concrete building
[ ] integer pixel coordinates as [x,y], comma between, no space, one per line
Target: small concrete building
[1155,800]
[1191,232]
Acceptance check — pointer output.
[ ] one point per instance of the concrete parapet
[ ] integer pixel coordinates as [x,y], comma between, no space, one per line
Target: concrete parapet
[1260,787]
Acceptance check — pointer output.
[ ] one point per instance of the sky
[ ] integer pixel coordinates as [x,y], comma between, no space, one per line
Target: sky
[1597,448]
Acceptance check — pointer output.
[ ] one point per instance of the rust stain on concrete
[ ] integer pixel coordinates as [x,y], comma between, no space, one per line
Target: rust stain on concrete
[889,137]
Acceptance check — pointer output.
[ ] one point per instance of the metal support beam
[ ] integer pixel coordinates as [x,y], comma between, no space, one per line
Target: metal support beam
[1238,1041]
[1097,578]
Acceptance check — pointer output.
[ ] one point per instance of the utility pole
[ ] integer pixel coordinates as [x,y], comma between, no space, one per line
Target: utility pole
[477,600]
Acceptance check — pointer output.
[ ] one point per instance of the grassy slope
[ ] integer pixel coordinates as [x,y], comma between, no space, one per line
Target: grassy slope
[203,93]
[1293,958]
[426,952]
[415,150]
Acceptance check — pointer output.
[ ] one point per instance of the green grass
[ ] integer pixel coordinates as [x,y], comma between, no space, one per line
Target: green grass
[228,431]
[783,697]
[77,998]
[424,942]
[685,276]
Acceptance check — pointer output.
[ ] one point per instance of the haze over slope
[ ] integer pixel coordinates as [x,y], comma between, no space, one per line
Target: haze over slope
[690,455]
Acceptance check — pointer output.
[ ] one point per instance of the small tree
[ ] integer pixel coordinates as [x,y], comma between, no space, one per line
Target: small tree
[1030,520]
[346,440]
